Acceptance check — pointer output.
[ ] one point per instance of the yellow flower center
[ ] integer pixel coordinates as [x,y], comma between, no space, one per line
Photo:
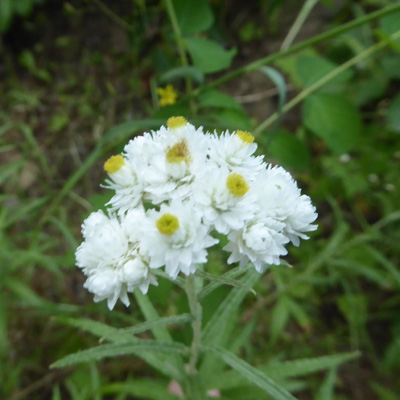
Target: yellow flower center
[167,224]
[178,152]
[176,122]
[245,136]
[168,95]
[114,163]
[237,185]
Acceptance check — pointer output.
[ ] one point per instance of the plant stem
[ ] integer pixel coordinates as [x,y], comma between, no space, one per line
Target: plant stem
[112,16]
[298,23]
[196,311]
[325,79]
[181,47]
[301,46]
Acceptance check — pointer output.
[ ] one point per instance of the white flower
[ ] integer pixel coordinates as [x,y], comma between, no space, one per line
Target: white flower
[260,241]
[225,199]
[176,238]
[126,180]
[235,152]
[111,256]
[281,199]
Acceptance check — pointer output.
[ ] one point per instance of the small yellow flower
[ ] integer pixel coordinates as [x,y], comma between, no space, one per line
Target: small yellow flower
[168,95]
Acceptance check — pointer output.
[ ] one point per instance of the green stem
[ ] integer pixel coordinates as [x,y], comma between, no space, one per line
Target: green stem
[301,46]
[196,311]
[181,46]
[298,23]
[325,79]
[112,16]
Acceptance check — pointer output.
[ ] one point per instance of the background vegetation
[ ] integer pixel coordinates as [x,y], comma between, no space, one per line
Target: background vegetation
[78,78]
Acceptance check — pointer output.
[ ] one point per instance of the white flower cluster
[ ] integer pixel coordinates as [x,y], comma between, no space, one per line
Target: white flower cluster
[173,189]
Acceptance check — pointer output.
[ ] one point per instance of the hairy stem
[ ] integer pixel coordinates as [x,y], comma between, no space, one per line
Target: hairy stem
[196,311]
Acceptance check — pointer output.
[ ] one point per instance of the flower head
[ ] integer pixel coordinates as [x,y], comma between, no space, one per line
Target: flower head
[168,95]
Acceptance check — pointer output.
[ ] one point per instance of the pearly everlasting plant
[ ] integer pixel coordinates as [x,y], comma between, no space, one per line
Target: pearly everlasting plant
[173,190]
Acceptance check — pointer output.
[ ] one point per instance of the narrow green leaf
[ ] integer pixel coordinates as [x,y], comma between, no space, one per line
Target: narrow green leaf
[143,388]
[393,114]
[233,273]
[224,281]
[286,369]
[160,332]
[279,318]
[249,372]
[325,392]
[215,327]
[118,349]
[219,328]
[149,325]
[208,56]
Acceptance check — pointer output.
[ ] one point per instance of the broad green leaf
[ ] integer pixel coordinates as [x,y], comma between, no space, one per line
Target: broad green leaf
[390,23]
[23,7]
[217,99]
[312,67]
[143,388]
[6,10]
[119,349]
[233,119]
[249,372]
[393,115]
[290,151]
[326,390]
[208,56]
[182,72]
[334,119]
[193,15]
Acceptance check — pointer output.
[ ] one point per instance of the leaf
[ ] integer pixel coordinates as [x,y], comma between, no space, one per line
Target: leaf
[214,284]
[325,392]
[118,349]
[5,14]
[286,369]
[290,151]
[208,56]
[218,329]
[334,119]
[279,318]
[23,7]
[390,23]
[311,68]
[143,388]
[393,114]
[193,15]
[233,119]
[224,281]
[217,99]
[182,72]
[249,372]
